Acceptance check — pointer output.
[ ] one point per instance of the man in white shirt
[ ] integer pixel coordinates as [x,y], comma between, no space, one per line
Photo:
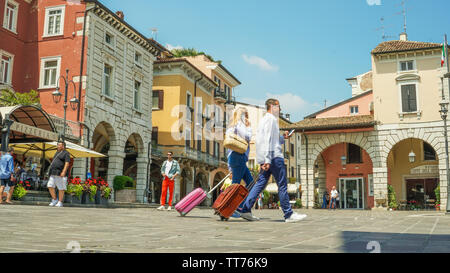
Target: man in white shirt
[334,196]
[270,157]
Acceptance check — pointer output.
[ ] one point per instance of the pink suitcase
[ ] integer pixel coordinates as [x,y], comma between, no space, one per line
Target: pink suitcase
[194,198]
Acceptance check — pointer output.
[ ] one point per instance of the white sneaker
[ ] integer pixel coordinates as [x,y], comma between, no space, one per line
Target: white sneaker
[161,208]
[295,217]
[249,216]
[169,208]
[59,204]
[53,203]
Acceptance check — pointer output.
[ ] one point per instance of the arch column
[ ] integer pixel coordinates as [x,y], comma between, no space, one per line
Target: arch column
[141,179]
[115,164]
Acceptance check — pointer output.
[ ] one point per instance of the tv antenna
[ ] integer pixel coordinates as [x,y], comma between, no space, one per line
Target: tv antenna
[383,30]
[154,33]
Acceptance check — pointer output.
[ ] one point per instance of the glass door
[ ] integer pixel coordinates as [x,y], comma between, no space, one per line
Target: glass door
[351,192]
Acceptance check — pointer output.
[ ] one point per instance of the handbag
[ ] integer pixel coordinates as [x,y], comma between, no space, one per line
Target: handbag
[235,143]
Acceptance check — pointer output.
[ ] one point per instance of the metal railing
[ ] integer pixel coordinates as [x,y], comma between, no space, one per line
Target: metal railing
[73,129]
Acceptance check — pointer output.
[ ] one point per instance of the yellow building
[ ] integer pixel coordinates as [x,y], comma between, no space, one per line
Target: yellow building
[190,98]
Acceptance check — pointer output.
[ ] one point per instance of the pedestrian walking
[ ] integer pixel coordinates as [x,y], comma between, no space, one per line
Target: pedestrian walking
[270,157]
[169,170]
[7,175]
[58,174]
[237,162]
[334,195]
[325,199]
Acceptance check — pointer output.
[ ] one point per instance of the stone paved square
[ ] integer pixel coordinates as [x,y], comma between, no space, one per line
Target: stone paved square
[28,228]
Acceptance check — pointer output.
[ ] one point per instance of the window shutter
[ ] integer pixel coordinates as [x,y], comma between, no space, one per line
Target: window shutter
[161,99]
[405,102]
[412,98]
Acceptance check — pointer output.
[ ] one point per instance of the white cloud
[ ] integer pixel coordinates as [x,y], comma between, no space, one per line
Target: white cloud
[373,2]
[259,62]
[171,47]
[290,103]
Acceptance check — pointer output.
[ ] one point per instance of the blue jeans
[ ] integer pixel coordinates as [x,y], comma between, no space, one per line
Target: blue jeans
[278,170]
[333,201]
[239,168]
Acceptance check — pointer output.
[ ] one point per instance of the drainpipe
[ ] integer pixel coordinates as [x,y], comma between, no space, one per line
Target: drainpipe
[88,143]
[193,118]
[148,172]
[83,42]
[307,170]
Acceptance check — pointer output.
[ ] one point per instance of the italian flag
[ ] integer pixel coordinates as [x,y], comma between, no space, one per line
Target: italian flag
[443,55]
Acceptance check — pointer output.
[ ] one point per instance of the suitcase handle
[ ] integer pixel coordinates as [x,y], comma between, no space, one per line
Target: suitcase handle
[218,184]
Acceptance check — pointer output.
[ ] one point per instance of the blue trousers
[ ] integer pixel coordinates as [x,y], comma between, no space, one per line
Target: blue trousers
[239,169]
[278,170]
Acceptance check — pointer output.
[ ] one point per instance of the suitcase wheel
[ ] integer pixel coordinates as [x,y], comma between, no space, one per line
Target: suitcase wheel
[223,218]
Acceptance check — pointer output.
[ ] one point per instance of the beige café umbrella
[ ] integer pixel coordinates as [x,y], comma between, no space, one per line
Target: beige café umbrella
[48,149]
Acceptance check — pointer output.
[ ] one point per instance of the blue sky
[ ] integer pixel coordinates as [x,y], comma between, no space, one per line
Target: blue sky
[298,51]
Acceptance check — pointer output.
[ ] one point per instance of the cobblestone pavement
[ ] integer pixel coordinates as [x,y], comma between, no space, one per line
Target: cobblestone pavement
[50,229]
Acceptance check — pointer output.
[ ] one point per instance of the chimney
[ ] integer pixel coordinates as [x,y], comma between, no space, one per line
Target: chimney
[120,14]
[403,36]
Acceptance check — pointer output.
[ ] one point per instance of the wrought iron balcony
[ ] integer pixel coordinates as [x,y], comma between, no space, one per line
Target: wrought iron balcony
[220,94]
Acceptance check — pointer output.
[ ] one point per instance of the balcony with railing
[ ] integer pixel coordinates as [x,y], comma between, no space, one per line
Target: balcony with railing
[220,95]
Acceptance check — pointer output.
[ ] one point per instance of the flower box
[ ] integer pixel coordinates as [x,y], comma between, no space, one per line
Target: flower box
[104,201]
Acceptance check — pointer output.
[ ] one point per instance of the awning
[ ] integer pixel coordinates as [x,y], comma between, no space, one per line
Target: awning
[48,149]
[273,188]
[30,123]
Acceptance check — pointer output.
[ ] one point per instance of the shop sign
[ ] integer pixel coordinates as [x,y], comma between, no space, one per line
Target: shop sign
[33,131]
[426,169]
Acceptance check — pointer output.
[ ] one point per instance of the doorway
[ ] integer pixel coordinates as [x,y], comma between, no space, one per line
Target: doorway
[351,193]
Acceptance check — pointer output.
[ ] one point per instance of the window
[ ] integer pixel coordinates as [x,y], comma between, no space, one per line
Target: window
[227,90]
[409,99]
[354,110]
[189,106]
[137,95]
[138,59]
[407,66]
[354,153]
[217,80]
[107,80]
[50,72]
[10,18]
[188,137]
[292,149]
[199,113]
[370,186]
[54,21]
[428,152]
[199,142]
[5,68]
[158,99]
[292,172]
[109,40]
[207,146]
[217,116]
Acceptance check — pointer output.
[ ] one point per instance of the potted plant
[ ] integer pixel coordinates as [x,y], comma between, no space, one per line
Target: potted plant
[298,203]
[105,191]
[86,197]
[437,192]
[392,199]
[124,189]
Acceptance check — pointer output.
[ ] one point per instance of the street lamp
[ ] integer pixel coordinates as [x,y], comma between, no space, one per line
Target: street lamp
[74,102]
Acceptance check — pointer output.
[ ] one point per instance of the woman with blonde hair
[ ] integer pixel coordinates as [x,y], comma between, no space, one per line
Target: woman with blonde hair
[237,163]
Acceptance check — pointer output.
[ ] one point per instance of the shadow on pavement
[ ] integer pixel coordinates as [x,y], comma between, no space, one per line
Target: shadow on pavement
[377,242]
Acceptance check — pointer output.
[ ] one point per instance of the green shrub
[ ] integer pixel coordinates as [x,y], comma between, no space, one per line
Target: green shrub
[74,189]
[437,192]
[106,192]
[392,199]
[298,203]
[92,192]
[123,182]
[19,192]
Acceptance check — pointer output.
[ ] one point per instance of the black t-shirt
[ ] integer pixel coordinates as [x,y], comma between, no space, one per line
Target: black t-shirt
[58,162]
